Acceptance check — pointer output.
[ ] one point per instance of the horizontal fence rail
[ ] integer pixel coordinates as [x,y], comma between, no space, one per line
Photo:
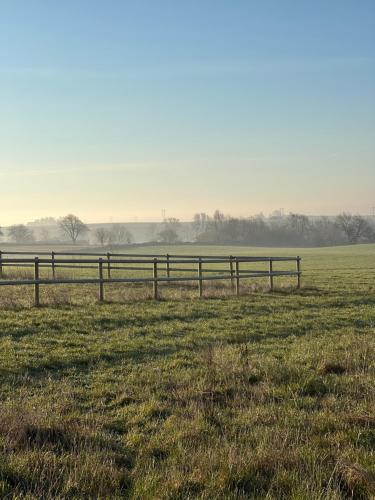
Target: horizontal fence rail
[160,266]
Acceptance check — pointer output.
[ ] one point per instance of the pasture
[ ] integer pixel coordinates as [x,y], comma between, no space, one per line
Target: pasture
[266,395]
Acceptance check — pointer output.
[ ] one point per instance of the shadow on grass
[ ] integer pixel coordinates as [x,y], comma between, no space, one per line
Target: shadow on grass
[106,323]
[149,352]
[57,446]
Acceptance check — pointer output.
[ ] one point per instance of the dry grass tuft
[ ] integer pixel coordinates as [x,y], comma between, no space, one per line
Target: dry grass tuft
[58,296]
[8,300]
[69,458]
[314,387]
[24,430]
[364,420]
[355,481]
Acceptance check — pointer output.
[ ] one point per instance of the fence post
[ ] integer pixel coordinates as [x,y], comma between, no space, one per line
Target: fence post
[53,265]
[36,279]
[1,264]
[237,277]
[168,267]
[109,265]
[200,281]
[101,284]
[271,276]
[298,261]
[231,271]
[155,275]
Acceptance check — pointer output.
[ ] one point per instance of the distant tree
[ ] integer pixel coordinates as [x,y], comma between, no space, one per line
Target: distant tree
[208,228]
[299,222]
[44,234]
[218,220]
[299,225]
[1,232]
[120,234]
[102,236]
[200,222]
[355,227]
[282,230]
[169,233]
[324,231]
[44,221]
[172,222]
[72,226]
[218,216]
[20,233]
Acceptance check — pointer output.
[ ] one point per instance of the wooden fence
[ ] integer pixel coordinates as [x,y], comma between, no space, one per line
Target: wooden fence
[168,268]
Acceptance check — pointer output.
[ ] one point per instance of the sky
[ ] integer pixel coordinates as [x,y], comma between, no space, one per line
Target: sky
[116,110]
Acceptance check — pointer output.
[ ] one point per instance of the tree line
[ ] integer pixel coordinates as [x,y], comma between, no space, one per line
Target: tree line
[72,228]
[291,230]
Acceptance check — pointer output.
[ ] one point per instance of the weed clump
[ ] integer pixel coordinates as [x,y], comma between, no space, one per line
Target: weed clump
[314,387]
[330,367]
[355,481]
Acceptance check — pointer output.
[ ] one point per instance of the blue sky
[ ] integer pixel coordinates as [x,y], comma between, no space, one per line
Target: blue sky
[115,110]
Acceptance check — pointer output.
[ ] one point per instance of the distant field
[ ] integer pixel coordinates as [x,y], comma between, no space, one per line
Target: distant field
[9,247]
[270,395]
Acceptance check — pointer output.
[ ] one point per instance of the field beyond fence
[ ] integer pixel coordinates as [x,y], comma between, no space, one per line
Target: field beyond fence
[268,395]
[155,269]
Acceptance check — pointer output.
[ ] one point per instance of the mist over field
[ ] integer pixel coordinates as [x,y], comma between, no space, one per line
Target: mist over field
[278,229]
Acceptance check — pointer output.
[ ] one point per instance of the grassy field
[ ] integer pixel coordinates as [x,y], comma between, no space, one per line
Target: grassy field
[270,395]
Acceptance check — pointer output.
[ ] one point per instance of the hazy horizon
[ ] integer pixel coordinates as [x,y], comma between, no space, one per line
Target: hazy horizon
[119,110]
[162,218]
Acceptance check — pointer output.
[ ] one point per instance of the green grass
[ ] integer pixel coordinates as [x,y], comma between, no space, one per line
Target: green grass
[267,396]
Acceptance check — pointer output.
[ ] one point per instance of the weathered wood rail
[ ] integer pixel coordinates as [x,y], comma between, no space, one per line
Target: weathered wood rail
[154,264]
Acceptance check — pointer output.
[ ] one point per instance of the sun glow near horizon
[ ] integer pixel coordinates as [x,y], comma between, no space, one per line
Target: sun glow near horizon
[138,108]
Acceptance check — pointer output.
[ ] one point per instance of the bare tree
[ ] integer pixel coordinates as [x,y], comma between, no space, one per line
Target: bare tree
[299,224]
[200,222]
[72,226]
[355,227]
[169,234]
[326,232]
[218,219]
[102,236]
[20,233]
[120,234]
